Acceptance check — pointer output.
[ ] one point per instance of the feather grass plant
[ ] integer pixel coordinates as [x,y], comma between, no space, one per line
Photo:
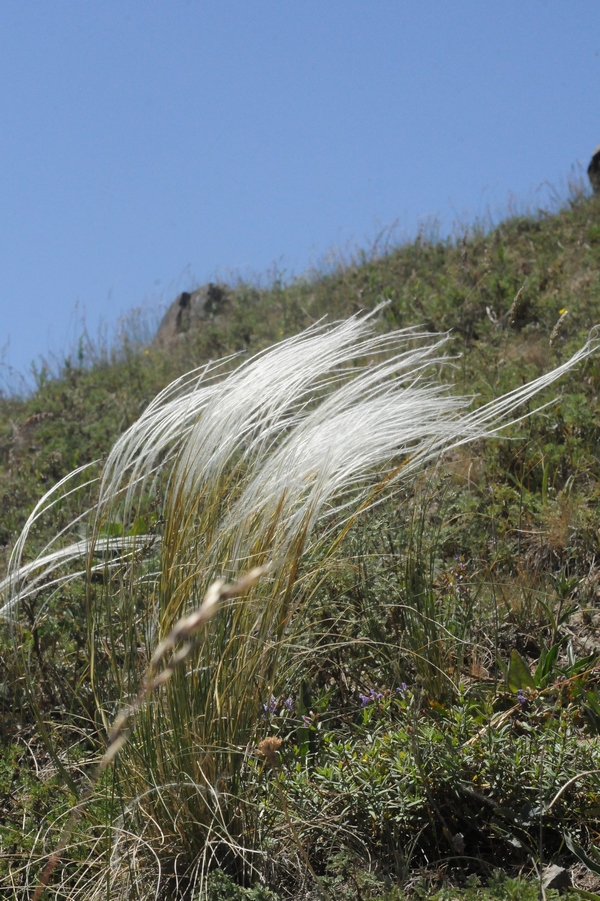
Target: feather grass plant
[224,472]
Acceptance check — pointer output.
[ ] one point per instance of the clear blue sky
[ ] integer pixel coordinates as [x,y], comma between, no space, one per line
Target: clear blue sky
[147,146]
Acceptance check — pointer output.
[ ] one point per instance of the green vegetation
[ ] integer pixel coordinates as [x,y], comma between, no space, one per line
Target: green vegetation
[432,666]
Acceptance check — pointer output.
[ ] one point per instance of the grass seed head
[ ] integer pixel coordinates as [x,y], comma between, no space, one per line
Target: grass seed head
[516,305]
[558,327]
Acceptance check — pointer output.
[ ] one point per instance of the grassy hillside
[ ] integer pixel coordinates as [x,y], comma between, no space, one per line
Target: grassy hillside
[441,721]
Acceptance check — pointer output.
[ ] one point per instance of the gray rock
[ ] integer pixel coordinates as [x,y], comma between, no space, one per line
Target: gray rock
[557,878]
[190,310]
[458,841]
[594,170]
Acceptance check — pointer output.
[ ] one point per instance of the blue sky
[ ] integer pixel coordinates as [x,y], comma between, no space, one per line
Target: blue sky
[148,146]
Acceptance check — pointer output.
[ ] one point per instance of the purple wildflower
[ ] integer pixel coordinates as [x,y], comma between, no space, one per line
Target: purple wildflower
[401,688]
[521,697]
[271,706]
[370,698]
[289,703]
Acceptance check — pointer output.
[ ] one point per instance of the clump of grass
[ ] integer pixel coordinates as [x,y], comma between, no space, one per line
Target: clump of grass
[276,461]
[163,665]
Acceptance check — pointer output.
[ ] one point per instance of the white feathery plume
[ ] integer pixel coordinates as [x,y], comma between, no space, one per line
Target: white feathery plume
[293,435]
[137,454]
[163,426]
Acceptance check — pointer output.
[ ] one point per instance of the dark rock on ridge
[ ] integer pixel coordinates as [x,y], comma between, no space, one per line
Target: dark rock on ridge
[594,170]
[190,310]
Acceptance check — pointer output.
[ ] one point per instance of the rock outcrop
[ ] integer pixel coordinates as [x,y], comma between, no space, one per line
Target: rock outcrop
[594,170]
[190,310]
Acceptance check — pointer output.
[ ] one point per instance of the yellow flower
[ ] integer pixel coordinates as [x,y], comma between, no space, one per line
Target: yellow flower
[564,310]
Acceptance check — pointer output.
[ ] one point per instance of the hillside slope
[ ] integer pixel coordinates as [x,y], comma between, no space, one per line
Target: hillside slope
[468,609]
[467,286]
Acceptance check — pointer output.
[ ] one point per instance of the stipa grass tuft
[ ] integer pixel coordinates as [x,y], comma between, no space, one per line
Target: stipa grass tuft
[271,462]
